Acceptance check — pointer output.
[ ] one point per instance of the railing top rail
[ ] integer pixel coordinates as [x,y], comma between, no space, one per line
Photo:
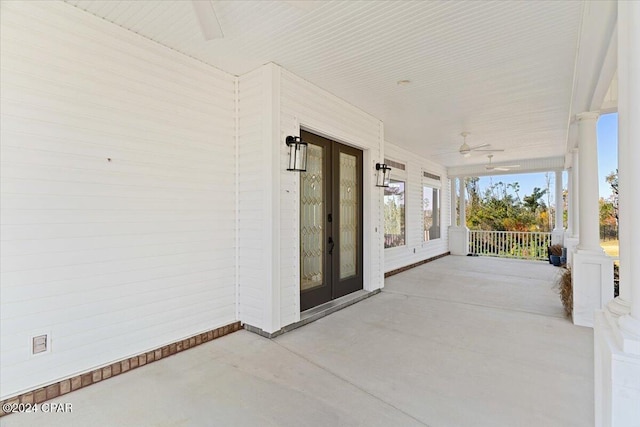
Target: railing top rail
[510,232]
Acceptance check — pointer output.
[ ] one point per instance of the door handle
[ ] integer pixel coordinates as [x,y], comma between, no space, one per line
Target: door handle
[331,245]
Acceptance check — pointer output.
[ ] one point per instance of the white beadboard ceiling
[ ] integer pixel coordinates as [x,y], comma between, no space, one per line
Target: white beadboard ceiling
[501,70]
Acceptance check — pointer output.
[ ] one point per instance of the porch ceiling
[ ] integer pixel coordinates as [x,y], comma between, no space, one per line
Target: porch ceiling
[503,71]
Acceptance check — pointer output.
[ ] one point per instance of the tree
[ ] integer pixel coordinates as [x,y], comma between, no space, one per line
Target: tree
[565,207]
[607,212]
[534,201]
[392,217]
[612,180]
[516,189]
[499,208]
[547,177]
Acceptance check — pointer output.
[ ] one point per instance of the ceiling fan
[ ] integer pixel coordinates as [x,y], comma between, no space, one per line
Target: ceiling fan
[208,20]
[491,167]
[466,149]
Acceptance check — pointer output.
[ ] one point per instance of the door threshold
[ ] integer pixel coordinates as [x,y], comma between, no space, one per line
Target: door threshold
[332,306]
[318,312]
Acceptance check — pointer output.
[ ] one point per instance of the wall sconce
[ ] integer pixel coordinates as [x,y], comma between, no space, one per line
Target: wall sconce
[384,174]
[297,154]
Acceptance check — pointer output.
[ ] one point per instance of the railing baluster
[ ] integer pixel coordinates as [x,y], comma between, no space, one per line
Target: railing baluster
[509,244]
[504,244]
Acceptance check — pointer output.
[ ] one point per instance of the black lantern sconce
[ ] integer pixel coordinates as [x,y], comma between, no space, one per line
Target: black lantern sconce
[297,154]
[384,174]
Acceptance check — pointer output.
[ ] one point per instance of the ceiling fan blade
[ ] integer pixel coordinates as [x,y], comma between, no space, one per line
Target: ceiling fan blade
[491,150]
[501,168]
[475,147]
[207,19]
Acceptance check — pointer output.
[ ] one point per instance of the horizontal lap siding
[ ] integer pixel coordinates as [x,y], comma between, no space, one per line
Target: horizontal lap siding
[110,257]
[401,256]
[304,104]
[252,221]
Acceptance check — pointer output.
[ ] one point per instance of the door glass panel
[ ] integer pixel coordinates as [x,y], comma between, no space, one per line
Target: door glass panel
[312,220]
[348,215]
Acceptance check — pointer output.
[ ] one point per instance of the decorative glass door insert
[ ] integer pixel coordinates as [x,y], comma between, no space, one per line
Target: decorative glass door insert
[312,220]
[348,215]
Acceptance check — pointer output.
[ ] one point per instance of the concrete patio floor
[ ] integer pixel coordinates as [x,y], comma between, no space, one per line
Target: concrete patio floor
[461,341]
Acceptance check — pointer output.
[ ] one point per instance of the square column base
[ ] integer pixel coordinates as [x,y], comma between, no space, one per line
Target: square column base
[458,240]
[616,375]
[557,238]
[592,281]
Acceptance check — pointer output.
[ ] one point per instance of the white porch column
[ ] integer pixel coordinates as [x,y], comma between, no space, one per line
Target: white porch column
[571,239]
[588,176]
[454,202]
[629,159]
[622,304]
[463,204]
[576,193]
[569,231]
[617,339]
[592,273]
[557,236]
[458,234]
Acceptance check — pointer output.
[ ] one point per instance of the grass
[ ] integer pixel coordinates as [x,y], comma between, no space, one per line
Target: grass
[611,247]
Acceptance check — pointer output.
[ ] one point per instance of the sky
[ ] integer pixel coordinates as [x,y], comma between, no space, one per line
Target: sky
[607,163]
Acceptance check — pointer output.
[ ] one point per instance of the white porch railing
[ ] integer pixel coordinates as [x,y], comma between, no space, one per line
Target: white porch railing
[509,244]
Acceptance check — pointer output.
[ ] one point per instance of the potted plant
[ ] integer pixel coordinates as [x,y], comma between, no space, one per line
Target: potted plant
[555,252]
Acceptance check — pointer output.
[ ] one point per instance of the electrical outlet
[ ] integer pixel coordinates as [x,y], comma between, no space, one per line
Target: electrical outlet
[40,344]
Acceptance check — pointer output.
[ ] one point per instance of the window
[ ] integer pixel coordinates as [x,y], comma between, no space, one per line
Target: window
[431,212]
[431,206]
[394,214]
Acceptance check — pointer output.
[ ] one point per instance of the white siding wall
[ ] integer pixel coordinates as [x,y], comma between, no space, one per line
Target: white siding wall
[252,221]
[258,163]
[111,258]
[316,110]
[416,249]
